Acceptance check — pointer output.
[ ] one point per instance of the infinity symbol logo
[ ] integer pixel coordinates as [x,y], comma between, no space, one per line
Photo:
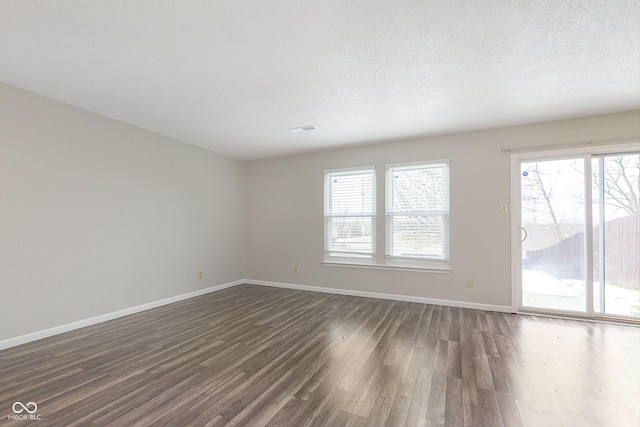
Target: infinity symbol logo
[22,407]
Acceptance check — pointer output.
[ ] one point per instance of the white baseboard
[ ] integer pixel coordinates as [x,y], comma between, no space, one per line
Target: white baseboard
[407,298]
[23,339]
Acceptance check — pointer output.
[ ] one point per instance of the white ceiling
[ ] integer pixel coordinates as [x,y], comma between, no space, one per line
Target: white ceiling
[234,75]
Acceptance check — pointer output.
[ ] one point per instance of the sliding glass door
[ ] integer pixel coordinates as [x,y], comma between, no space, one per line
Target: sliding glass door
[553,235]
[616,212]
[578,234]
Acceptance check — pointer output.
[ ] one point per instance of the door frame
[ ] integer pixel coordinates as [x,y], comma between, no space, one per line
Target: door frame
[517,158]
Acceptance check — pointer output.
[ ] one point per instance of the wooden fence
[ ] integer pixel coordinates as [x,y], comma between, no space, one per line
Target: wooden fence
[565,259]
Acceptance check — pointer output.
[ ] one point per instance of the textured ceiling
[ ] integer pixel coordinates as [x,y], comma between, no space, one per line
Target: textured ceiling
[233,75]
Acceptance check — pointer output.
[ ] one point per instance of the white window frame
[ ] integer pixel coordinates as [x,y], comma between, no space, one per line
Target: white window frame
[428,262]
[378,259]
[348,257]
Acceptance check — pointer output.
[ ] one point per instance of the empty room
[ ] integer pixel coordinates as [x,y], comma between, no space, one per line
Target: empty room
[320,213]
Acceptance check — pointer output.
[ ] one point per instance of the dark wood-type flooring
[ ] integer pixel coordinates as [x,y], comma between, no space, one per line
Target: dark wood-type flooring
[252,355]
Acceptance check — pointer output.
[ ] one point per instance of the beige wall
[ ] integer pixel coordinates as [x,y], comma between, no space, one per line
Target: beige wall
[285,210]
[97,215]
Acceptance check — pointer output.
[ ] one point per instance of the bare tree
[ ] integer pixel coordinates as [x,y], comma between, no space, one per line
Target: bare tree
[621,183]
[538,189]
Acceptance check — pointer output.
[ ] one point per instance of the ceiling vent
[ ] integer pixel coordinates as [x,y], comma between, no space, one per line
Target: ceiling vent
[302,128]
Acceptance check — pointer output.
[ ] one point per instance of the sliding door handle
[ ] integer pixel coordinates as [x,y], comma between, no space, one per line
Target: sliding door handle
[525,235]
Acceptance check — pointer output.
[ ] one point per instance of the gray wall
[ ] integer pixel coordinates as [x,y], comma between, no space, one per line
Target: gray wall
[285,210]
[97,215]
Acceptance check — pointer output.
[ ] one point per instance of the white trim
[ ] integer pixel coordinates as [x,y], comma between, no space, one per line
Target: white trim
[552,152]
[394,297]
[390,214]
[329,214]
[408,165]
[622,321]
[566,145]
[396,267]
[346,170]
[588,232]
[34,336]
[570,153]
[516,247]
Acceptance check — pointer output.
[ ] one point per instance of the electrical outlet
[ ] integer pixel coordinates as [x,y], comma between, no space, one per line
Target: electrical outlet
[200,274]
[469,283]
[295,270]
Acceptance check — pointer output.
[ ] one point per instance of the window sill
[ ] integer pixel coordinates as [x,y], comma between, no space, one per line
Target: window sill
[431,269]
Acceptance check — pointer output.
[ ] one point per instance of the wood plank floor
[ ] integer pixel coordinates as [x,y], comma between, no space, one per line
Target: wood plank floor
[252,355]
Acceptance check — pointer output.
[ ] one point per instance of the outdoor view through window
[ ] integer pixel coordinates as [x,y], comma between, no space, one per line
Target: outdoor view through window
[416,215]
[553,212]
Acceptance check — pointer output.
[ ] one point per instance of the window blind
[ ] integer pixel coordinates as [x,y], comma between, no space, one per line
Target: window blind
[417,211]
[350,213]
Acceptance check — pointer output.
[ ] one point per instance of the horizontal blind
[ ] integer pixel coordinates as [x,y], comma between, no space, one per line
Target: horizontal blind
[417,211]
[350,213]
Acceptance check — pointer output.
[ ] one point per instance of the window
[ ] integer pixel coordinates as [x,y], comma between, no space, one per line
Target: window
[349,213]
[417,211]
[416,217]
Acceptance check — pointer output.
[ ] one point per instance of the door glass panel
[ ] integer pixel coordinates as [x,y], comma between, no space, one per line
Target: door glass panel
[616,208]
[597,215]
[552,216]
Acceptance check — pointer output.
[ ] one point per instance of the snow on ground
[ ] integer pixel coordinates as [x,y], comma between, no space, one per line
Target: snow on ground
[543,290]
